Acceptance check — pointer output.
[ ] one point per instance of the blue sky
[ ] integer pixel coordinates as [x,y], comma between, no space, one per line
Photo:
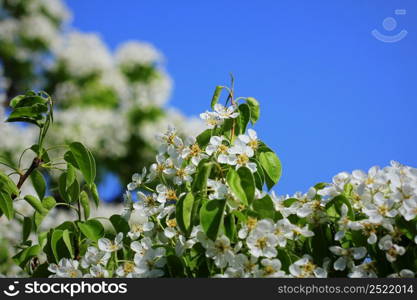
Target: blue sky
[333,98]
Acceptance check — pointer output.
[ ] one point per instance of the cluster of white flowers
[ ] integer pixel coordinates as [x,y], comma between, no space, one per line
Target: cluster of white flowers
[137,53]
[83,54]
[39,23]
[102,121]
[104,131]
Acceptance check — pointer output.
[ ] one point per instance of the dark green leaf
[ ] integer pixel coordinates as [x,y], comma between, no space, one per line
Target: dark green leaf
[56,237]
[67,240]
[85,161]
[39,183]
[247,181]
[243,119]
[211,217]
[23,257]
[183,212]
[27,228]
[175,266]
[120,224]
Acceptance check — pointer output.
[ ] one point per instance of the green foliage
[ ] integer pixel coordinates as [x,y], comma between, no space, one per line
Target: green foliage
[211,217]
[91,229]
[235,184]
[272,166]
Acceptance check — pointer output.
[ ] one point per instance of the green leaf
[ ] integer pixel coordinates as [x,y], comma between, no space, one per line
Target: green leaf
[204,138]
[183,213]
[272,167]
[337,203]
[29,114]
[211,217]
[71,176]
[243,119]
[94,192]
[37,219]
[8,185]
[36,204]
[85,161]
[39,183]
[74,191]
[235,184]
[23,257]
[199,188]
[42,271]
[92,229]
[16,100]
[62,187]
[216,95]
[120,224]
[264,207]
[67,240]
[254,109]
[85,203]
[175,267]
[259,175]
[49,202]
[27,100]
[203,173]
[69,158]
[44,157]
[230,227]
[6,204]
[247,181]
[26,228]
[56,236]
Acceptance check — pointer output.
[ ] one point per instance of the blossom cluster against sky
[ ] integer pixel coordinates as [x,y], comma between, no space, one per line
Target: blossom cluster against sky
[332,96]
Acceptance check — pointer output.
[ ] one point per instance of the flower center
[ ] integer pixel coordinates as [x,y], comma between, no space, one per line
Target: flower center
[262,243]
[170,139]
[114,247]
[73,274]
[251,223]
[171,195]
[221,246]
[242,159]
[254,144]
[222,148]
[195,150]
[137,228]
[160,168]
[269,270]
[308,267]
[383,209]
[150,201]
[172,223]
[181,173]
[128,267]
